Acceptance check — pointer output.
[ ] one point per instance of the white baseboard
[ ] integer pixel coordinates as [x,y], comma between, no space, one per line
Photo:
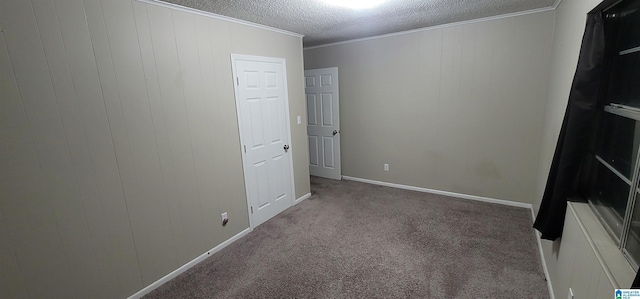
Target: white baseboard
[446,193]
[303,197]
[544,261]
[544,266]
[188,265]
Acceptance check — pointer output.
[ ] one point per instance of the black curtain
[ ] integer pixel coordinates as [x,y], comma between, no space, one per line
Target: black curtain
[577,128]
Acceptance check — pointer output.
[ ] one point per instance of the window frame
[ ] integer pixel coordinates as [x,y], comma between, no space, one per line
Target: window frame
[618,45]
[634,114]
[621,97]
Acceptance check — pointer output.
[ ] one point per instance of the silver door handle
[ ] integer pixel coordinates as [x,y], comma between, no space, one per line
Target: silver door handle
[286,148]
[335,132]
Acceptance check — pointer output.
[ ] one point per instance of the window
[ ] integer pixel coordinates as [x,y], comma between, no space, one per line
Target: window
[612,182]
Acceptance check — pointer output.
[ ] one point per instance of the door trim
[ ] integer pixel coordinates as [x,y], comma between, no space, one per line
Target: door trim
[283,61]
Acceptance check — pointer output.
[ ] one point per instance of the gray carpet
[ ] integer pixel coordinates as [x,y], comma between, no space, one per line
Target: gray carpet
[355,240]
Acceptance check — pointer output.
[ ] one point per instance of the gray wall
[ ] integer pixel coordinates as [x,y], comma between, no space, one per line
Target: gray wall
[457,109]
[119,145]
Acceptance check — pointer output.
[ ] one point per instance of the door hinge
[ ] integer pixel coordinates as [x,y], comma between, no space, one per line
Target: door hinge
[245,149]
[237,81]
[251,210]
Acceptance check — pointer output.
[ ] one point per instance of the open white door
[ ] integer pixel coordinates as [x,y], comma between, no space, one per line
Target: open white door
[263,118]
[323,122]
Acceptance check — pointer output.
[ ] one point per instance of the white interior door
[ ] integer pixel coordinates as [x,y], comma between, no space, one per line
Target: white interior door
[263,114]
[323,122]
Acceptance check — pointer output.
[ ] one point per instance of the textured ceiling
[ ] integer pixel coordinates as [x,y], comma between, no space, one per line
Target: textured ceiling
[322,24]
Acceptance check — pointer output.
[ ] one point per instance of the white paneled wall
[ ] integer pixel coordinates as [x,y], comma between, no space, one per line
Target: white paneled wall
[119,144]
[577,266]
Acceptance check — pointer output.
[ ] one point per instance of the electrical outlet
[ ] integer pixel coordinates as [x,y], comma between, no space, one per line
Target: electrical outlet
[570,294]
[386,167]
[225,218]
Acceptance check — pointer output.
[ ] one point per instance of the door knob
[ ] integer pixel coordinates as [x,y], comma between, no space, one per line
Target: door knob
[335,132]
[286,147]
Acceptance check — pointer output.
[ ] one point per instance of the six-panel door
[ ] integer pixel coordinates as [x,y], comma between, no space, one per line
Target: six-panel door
[323,122]
[264,134]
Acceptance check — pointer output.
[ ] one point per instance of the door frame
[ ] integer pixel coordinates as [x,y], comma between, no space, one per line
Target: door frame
[283,62]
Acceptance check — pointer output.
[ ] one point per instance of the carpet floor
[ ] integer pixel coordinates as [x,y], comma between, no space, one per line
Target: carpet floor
[356,240]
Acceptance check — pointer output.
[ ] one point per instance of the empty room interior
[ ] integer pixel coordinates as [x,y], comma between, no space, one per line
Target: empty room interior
[305,149]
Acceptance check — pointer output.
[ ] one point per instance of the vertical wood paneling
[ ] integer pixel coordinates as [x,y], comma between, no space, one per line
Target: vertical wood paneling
[39,226]
[578,267]
[119,143]
[191,82]
[566,258]
[33,233]
[117,129]
[190,67]
[87,271]
[429,69]
[582,268]
[12,284]
[157,256]
[14,146]
[473,121]
[213,177]
[172,97]
[155,104]
[18,157]
[452,130]
[530,76]
[486,40]
[489,98]
[105,208]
